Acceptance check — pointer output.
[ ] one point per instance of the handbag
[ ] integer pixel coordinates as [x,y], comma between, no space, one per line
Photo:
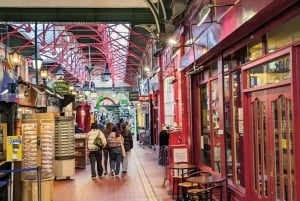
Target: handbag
[123,150]
[98,142]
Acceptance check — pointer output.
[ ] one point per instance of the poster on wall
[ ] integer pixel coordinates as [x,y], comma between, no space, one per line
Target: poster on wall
[180,155]
[14,148]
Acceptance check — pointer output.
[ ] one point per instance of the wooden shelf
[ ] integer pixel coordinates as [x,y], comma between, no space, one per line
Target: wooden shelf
[80,151]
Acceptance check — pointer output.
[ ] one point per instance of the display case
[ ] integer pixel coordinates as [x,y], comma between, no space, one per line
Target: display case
[34,156]
[64,147]
[80,150]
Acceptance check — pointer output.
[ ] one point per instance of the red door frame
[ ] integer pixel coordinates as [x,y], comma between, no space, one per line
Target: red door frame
[295,88]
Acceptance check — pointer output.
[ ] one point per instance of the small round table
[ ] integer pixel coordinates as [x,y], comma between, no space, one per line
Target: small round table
[205,179]
[179,168]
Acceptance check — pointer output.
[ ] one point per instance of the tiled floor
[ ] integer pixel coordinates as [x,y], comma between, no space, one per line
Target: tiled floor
[141,183]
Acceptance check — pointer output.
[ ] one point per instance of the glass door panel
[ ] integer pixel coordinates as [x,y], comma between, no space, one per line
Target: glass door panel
[283,148]
[259,146]
[272,144]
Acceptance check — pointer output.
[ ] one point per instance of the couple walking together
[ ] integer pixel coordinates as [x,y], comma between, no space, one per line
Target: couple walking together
[112,139]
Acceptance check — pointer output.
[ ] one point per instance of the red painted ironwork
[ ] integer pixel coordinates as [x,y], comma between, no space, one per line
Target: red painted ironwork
[97,37]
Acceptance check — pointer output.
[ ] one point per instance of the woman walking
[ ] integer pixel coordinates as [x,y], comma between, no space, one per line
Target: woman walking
[163,158]
[115,140]
[95,152]
[128,144]
[107,131]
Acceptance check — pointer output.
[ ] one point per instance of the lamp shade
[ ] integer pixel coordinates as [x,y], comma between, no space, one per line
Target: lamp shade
[14,59]
[204,12]
[59,72]
[106,74]
[44,73]
[37,61]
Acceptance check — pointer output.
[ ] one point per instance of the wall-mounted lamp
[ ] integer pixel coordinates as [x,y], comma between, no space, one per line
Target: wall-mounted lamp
[172,41]
[204,12]
[44,74]
[14,59]
[106,74]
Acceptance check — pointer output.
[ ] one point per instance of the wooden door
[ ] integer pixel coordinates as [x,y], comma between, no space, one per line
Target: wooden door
[271,131]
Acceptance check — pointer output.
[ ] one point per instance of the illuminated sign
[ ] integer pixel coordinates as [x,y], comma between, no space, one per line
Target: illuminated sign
[143,98]
[61,87]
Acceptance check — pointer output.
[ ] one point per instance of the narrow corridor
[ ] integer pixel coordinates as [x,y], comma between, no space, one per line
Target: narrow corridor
[141,183]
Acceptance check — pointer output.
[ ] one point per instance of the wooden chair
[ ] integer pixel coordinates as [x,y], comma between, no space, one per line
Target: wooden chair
[184,186]
[192,192]
[177,177]
[211,193]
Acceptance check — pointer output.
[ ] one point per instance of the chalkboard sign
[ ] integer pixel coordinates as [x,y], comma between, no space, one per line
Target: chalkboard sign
[133,95]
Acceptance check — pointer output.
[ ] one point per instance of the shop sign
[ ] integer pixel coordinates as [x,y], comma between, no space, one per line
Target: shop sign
[123,102]
[14,148]
[133,95]
[61,87]
[144,98]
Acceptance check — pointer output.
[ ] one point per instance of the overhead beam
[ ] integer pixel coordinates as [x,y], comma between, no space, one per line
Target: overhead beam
[106,15]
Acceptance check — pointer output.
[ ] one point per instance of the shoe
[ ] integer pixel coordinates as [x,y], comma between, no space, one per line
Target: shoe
[104,173]
[112,173]
[93,178]
[124,171]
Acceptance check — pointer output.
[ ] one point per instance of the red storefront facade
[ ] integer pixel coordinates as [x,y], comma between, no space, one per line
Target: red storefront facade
[235,96]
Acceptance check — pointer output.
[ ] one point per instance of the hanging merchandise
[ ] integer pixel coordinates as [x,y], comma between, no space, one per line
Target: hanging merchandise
[8,88]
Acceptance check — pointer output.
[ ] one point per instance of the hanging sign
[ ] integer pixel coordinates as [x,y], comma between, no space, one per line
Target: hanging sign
[61,87]
[133,95]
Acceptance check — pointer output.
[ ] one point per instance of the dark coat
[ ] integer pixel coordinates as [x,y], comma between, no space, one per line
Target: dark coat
[128,142]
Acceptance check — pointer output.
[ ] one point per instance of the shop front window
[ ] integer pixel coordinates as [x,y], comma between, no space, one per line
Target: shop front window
[210,147]
[234,126]
[169,101]
[205,136]
[271,72]
[279,38]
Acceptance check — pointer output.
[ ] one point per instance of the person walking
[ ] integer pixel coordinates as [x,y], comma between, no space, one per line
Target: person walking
[128,145]
[95,152]
[107,131]
[163,158]
[115,153]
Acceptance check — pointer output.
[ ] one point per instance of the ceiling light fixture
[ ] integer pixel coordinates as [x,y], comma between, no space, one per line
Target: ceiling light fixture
[204,12]
[59,73]
[77,85]
[106,74]
[37,61]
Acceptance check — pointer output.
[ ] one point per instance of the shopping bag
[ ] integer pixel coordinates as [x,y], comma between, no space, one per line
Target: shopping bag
[98,142]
